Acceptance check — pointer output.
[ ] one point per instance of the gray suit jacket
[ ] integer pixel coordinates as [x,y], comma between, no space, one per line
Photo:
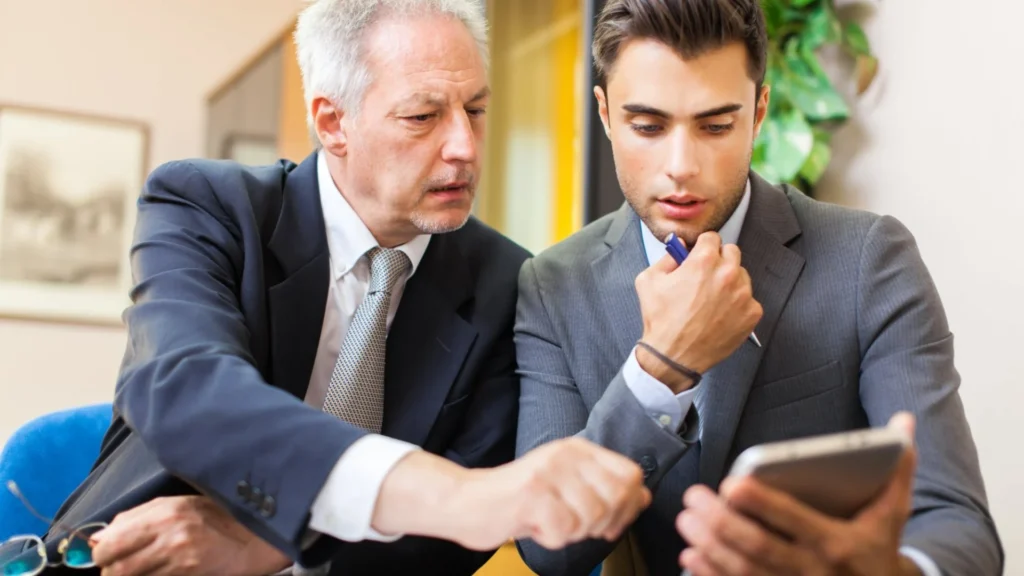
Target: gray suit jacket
[853,331]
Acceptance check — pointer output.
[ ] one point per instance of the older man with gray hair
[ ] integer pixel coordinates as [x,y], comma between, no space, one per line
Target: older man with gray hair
[321,355]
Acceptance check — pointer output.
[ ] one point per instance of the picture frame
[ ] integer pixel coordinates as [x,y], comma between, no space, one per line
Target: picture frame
[250,149]
[69,183]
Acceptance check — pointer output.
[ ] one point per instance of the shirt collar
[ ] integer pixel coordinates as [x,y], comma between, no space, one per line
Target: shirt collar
[348,238]
[730,231]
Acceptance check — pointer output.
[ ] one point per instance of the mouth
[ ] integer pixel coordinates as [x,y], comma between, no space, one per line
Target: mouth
[452,191]
[451,187]
[682,207]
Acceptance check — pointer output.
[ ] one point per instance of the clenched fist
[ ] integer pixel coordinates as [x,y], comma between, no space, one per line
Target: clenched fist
[563,492]
[696,313]
[567,491]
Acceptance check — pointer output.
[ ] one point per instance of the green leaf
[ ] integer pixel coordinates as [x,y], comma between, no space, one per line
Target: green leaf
[809,89]
[787,140]
[801,2]
[774,15]
[856,40]
[822,27]
[817,161]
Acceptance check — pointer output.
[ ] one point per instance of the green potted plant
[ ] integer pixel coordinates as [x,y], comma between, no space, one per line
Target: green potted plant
[795,142]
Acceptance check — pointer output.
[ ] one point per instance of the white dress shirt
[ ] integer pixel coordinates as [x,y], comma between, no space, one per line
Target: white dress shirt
[344,507]
[669,409]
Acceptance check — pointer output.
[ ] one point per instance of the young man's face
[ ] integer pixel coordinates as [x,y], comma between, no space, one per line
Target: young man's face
[682,132]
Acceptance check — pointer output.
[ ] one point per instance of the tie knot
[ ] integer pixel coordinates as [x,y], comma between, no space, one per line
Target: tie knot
[386,267]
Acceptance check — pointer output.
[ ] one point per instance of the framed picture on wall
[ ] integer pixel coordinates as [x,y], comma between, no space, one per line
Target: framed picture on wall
[251,150]
[68,186]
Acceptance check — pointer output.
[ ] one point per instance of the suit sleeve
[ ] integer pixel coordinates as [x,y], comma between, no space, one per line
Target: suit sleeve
[907,363]
[551,407]
[189,386]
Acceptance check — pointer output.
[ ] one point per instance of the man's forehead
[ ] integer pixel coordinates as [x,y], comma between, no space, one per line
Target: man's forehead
[651,70]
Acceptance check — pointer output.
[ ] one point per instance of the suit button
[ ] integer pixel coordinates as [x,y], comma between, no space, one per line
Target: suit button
[648,465]
[269,507]
[244,490]
[257,496]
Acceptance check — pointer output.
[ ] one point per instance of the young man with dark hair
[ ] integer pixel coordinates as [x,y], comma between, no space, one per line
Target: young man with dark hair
[789,318]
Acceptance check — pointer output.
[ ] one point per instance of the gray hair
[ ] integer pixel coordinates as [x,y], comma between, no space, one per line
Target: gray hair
[329,42]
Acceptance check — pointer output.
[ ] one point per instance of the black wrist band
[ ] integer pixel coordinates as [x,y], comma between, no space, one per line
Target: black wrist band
[691,374]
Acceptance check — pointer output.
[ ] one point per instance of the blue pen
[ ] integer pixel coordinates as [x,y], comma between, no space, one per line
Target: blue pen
[675,247]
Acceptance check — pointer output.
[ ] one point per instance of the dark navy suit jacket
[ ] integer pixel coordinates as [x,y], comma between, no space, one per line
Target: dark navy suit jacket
[231,273]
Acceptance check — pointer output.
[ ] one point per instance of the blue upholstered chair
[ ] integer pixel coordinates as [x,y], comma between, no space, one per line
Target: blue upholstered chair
[48,458]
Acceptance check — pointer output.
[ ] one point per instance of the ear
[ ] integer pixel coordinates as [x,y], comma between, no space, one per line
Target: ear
[602,110]
[329,127]
[762,109]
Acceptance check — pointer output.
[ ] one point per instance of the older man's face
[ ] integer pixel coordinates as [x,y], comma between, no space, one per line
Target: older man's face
[413,151]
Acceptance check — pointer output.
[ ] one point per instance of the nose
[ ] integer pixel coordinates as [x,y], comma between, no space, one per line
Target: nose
[460,141]
[683,163]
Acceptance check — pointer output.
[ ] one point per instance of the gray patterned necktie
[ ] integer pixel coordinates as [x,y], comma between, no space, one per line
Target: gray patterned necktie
[356,392]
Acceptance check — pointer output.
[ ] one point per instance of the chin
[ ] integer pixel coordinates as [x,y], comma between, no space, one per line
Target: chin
[662,226]
[441,221]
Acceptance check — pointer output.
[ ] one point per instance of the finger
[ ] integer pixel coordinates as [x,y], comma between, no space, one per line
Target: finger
[697,563]
[551,521]
[698,531]
[711,527]
[123,538]
[708,243]
[905,423]
[665,264]
[636,501]
[738,533]
[779,511]
[613,494]
[589,508]
[731,254]
[627,480]
[145,562]
[123,517]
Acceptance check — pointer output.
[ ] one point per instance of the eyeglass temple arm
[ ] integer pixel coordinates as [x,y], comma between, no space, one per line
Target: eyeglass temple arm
[13,487]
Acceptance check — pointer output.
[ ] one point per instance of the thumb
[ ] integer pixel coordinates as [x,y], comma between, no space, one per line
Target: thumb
[904,422]
[894,502]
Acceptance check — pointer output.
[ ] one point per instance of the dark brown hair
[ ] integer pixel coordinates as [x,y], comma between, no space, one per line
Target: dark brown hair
[690,27]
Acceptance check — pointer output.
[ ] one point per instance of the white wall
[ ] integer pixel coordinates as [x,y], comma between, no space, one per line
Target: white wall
[938,145]
[154,61]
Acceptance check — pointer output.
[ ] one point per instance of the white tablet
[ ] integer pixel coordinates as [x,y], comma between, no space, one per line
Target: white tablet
[837,474]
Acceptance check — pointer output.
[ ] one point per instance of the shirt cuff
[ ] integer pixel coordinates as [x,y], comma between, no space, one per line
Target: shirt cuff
[666,408]
[344,508]
[926,564]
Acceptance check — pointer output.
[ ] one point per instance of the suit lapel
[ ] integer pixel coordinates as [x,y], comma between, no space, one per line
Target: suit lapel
[428,341]
[299,243]
[616,270]
[774,269]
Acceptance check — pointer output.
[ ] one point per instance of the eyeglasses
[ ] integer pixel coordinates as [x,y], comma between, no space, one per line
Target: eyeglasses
[26,555]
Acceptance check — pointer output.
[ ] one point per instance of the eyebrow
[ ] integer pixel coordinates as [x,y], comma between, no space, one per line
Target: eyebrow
[651,111]
[483,93]
[432,99]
